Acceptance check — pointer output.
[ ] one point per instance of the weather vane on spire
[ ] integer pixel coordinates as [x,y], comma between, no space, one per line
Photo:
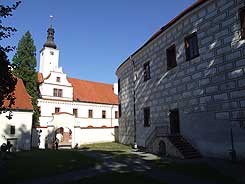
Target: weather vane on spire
[51,20]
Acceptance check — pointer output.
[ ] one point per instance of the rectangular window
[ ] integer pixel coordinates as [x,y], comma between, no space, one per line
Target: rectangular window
[57,92]
[146,116]
[57,79]
[191,46]
[57,109]
[119,85]
[120,110]
[116,115]
[242,21]
[147,75]
[75,112]
[90,113]
[171,57]
[12,130]
[103,114]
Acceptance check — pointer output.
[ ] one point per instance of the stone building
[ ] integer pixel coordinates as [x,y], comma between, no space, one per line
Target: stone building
[81,111]
[183,92]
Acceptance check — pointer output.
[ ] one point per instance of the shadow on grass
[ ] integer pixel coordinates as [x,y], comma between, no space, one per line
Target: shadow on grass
[120,178]
[39,163]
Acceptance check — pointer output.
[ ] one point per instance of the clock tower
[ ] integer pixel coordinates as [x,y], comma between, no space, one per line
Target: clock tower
[49,55]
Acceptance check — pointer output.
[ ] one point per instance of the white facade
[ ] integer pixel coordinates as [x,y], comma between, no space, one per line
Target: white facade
[60,109]
[49,59]
[21,124]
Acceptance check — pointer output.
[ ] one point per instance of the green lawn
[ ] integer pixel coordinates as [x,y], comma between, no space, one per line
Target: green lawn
[115,150]
[39,163]
[108,146]
[120,178]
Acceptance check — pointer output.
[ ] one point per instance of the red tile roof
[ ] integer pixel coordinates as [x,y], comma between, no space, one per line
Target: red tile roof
[93,92]
[166,26]
[23,99]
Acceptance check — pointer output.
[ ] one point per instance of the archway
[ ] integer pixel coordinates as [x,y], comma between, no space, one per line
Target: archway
[64,134]
[162,148]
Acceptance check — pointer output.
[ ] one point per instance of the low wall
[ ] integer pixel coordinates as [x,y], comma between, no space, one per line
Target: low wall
[96,135]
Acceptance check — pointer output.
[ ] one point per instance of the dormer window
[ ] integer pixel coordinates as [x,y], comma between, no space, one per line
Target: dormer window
[57,79]
[51,53]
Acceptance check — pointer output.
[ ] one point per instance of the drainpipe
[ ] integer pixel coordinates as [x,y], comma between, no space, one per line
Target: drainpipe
[134,113]
[111,114]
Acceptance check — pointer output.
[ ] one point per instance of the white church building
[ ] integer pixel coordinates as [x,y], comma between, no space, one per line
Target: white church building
[79,111]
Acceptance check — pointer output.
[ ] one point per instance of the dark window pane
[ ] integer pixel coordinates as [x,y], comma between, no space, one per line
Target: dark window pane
[147,116]
[75,112]
[90,113]
[242,21]
[116,115]
[103,114]
[57,109]
[191,46]
[147,75]
[12,129]
[171,57]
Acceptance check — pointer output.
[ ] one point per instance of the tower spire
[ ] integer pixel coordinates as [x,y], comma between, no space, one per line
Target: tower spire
[50,38]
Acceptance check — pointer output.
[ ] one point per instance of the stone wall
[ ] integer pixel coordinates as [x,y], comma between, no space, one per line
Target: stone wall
[208,90]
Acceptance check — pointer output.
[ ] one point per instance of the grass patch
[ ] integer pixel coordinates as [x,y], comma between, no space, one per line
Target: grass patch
[39,163]
[196,170]
[120,178]
[108,146]
[115,150]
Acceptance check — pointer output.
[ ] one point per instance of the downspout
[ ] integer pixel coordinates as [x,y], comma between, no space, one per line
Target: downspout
[111,114]
[134,112]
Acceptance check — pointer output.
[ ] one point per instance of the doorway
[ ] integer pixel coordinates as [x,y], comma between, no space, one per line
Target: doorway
[174,122]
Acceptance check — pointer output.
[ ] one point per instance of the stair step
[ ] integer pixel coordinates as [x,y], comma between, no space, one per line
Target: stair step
[187,150]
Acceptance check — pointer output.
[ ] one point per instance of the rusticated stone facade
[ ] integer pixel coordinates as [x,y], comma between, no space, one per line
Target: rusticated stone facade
[208,91]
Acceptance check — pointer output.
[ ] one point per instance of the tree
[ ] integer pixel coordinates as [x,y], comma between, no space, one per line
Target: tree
[25,63]
[7,80]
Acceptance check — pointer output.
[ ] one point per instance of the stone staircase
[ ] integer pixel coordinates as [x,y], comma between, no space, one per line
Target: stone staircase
[184,147]
[65,146]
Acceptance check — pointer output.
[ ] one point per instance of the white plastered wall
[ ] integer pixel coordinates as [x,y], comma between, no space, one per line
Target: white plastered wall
[23,123]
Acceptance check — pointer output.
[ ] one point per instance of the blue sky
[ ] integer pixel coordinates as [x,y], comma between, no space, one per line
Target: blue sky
[94,36]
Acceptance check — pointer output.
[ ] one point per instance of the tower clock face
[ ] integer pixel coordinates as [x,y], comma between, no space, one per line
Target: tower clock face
[52,53]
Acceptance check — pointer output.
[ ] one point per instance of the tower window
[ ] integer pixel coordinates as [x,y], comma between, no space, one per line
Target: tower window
[57,79]
[191,46]
[12,129]
[57,109]
[51,53]
[171,57]
[58,92]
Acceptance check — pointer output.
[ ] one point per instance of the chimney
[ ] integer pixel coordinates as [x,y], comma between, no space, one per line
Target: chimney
[115,88]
